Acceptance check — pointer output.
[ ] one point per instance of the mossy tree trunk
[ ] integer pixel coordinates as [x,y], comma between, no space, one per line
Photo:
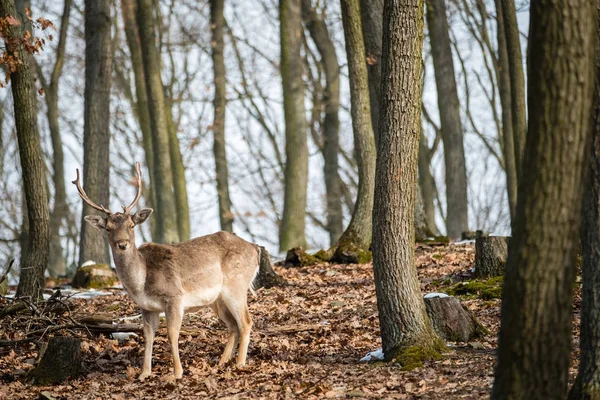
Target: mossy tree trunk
[402,316]
[427,182]
[536,325]
[93,244]
[359,231]
[504,88]
[167,227]
[457,220]
[291,231]
[587,384]
[217,26]
[35,260]
[517,81]
[331,123]
[178,173]
[142,110]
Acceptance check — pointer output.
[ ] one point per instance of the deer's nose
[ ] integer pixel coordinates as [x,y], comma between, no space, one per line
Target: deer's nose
[123,244]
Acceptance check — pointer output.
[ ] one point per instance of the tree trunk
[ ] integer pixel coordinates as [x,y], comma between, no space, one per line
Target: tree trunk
[587,384]
[402,317]
[449,108]
[535,333]
[163,179]
[267,277]
[291,231]
[490,255]
[179,182]
[35,259]
[371,13]
[61,360]
[422,230]
[217,25]
[93,244]
[56,263]
[451,320]
[359,231]
[517,81]
[331,123]
[508,140]
[426,182]
[142,110]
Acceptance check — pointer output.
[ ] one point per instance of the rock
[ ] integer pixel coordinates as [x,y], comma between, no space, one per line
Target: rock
[94,276]
[452,321]
[491,253]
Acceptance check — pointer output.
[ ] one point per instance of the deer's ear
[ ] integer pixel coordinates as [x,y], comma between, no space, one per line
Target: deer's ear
[142,215]
[96,221]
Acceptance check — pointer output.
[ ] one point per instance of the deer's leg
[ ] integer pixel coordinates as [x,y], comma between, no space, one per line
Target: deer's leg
[174,314]
[151,319]
[239,311]
[233,339]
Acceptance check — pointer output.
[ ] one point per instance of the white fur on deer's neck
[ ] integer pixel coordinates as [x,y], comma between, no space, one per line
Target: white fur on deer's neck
[131,269]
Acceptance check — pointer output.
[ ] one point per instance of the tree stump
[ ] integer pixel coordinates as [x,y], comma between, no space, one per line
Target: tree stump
[490,255]
[61,360]
[94,276]
[267,277]
[298,257]
[451,320]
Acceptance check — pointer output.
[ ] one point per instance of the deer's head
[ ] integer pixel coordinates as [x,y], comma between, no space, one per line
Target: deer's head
[119,226]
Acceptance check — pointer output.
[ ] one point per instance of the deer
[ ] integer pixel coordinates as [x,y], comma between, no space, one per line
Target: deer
[215,271]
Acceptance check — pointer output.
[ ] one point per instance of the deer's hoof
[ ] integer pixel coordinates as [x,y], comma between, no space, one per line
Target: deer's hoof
[178,374]
[143,376]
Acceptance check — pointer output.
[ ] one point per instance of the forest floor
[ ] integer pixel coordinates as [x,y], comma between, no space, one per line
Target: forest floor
[307,341]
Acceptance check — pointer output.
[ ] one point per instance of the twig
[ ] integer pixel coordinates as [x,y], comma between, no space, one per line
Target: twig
[5,275]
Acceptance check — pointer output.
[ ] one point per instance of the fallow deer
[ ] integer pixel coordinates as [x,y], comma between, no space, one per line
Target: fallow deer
[216,270]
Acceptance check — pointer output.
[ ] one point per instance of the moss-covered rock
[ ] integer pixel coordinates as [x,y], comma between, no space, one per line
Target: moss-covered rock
[484,289]
[413,357]
[95,276]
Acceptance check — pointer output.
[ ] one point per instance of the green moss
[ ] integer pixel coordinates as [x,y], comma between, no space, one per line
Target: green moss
[323,255]
[413,356]
[486,290]
[433,239]
[96,276]
[351,252]
[437,256]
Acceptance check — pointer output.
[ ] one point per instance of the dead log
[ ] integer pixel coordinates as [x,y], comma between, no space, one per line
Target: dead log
[61,360]
[452,321]
[490,255]
[267,277]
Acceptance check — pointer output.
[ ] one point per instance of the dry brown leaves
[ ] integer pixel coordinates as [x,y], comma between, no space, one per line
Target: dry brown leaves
[307,341]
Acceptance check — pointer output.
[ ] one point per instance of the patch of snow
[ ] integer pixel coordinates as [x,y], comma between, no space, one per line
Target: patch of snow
[434,295]
[472,270]
[87,294]
[125,319]
[373,355]
[88,262]
[463,242]
[123,335]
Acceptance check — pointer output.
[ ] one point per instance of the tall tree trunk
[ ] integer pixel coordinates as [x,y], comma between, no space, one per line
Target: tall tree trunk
[56,263]
[217,25]
[358,233]
[93,244]
[35,259]
[535,333]
[426,182]
[291,231]
[449,108]
[504,86]
[166,219]
[331,123]
[128,10]
[402,315]
[517,80]
[371,12]
[587,384]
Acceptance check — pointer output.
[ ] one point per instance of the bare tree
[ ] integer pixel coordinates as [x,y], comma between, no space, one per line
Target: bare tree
[536,325]
[291,231]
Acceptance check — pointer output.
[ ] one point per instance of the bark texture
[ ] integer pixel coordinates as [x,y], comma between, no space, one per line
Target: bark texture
[452,321]
[371,13]
[535,334]
[291,231]
[587,384]
[490,255]
[427,182]
[402,316]
[457,220]
[166,219]
[35,259]
[61,360]
[178,174]
[517,80]
[93,244]
[359,231]
[267,277]
[331,123]
[504,88]
[217,26]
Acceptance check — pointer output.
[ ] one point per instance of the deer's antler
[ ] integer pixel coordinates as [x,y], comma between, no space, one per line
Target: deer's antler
[85,197]
[139,189]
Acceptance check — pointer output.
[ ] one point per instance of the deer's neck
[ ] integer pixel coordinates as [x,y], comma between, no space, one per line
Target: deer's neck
[131,269]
